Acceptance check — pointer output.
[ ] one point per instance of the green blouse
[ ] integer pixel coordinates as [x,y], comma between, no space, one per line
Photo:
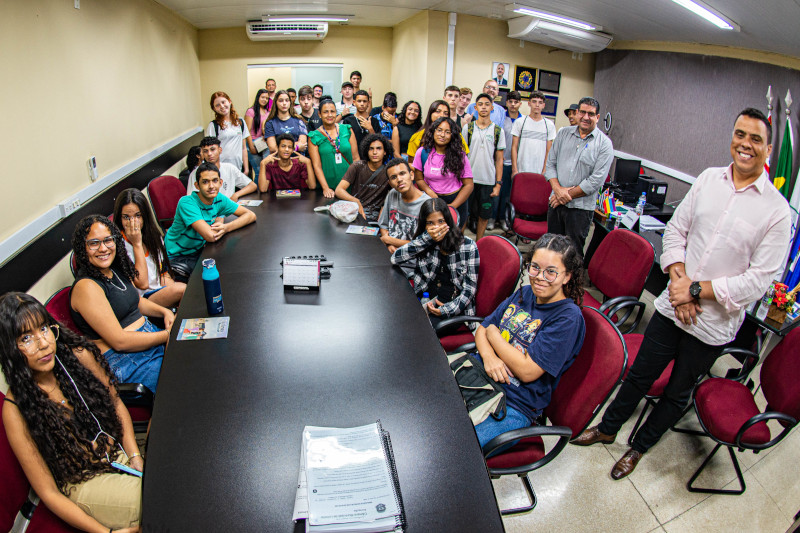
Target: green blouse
[332,170]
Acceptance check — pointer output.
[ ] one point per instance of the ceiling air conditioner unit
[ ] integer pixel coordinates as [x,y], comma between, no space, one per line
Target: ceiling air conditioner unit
[556,35]
[286,31]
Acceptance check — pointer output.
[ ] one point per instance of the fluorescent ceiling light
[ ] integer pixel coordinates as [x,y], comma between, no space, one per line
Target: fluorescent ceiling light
[523,10]
[703,11]
[306,18]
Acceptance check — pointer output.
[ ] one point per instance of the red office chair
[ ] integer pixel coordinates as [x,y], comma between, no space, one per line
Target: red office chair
[16,495]
[136,397]
[581,393]
[728,413]
[619,269]
[164,193]
[498,273]
[526,214]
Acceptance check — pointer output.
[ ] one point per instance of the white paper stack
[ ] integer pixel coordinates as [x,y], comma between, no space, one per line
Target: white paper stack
[648,223]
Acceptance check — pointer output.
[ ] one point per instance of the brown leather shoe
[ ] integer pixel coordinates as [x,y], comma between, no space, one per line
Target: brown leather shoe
[592,435]
[626,465]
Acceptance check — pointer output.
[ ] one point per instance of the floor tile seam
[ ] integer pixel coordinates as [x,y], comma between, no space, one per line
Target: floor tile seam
[789,518]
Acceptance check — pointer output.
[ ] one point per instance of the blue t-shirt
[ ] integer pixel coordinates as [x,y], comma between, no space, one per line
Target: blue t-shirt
[293,126]
[182,239]
[550,334]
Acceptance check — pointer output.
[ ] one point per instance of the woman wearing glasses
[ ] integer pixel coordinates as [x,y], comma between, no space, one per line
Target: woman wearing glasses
[65,421]
[107,308]
[145,247]
[532,338]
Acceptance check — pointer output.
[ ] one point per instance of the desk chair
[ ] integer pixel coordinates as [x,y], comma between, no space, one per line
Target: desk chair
[498,273]
[728,414]
[136,397]
[164,193]
[17,499]
[526,214]
[619,269]
[581,393]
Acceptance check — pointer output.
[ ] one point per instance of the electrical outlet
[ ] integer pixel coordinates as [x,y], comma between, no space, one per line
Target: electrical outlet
[70,206]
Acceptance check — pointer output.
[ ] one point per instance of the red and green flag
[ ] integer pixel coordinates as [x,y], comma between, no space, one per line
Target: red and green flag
[783,170]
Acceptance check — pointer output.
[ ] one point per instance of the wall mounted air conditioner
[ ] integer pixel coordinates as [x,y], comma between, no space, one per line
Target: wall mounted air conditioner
[286,31]
[556,35]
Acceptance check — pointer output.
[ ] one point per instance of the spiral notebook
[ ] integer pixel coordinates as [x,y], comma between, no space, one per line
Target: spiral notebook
[348,481]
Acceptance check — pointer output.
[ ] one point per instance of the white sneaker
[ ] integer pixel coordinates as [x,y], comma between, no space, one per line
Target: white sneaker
[503,225]
[490,225]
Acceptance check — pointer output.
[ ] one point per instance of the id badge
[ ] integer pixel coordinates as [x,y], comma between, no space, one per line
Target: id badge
[338,158]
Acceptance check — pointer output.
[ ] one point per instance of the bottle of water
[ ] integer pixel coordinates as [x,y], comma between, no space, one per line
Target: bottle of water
[426,297]
[641,204]
[212,286]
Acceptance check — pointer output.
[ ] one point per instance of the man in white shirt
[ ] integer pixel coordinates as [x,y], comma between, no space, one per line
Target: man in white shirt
[347,105]
[232,178]
[722,247]
[532,138]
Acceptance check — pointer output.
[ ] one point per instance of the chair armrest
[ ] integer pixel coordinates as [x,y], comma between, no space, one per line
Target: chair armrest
[629,303]
[749,360]
[511,214]
[562,432]
[787,421]
[461,319]
[135,394]
[466,348]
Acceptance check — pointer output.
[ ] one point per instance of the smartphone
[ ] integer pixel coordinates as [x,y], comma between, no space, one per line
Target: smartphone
[126,469]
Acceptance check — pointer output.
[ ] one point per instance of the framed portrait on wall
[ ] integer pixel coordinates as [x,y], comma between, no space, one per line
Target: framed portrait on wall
[549,82]
[550,105]
[524,80]
[500,72]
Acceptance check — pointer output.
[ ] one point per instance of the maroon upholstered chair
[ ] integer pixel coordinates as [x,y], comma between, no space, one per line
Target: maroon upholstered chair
[164,193]
[498,272]
[619,269]
[526,214]
[581,393]
[136,397]
[728,413]
[16,495]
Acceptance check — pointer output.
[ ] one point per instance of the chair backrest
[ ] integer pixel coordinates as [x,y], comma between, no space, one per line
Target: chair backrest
[779,376]
[73,264]
[620,265]
[586,385]
[530,193]
[498,272]
[14,487]
[454,214]
[58,306]
[164,193]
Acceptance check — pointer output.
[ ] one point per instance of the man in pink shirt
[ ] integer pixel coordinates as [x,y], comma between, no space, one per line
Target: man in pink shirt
[722,248]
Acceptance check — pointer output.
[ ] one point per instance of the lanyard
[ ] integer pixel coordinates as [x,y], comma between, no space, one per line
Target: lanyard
[334,144]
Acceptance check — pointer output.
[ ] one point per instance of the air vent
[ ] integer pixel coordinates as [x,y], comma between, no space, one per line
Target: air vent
[282,31]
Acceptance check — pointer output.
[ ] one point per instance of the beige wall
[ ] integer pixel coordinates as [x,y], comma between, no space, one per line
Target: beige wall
[114,79]
[481,41]
[410,55]
[225,54]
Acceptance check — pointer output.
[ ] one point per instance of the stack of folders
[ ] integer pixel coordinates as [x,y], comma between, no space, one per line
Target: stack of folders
[648,223]
[348,481]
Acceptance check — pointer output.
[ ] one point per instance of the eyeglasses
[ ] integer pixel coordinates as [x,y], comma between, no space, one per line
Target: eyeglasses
[128,218]
[29,342]
[549,274]
[94,244]
[442,132]
[590,114]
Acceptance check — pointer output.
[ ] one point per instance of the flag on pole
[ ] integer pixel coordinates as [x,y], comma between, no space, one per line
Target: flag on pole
[766,163]
[792,277]
[783,172]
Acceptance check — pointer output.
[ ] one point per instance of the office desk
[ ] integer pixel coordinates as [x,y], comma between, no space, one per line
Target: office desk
[224,446]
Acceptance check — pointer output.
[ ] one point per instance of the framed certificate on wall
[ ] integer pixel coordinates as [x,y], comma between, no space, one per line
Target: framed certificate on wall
[550,105]
[549,82]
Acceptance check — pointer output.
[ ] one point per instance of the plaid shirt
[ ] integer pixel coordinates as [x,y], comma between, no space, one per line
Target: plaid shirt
[462,266]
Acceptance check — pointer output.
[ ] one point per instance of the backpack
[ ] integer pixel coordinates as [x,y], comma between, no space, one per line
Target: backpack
[483,396]
[216,127]
[471,128]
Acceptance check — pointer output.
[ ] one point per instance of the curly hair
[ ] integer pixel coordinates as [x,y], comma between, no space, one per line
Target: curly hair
[454,239]
[570,256]
[220,119]
[453,150]
[151,231]
[417,124]
[63,438]
[122,263]
[363,148]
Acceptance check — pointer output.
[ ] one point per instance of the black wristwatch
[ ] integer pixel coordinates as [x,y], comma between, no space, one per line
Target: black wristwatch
[695,289]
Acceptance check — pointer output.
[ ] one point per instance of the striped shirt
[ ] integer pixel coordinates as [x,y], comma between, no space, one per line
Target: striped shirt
[182,239]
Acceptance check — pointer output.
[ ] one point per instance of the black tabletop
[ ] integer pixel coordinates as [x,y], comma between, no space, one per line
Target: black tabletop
[224,447]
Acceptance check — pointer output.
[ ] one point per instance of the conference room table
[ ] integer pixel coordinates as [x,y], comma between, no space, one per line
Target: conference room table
[224,447]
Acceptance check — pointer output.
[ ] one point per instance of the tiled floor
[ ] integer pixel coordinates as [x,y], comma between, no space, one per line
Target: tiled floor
[576,493]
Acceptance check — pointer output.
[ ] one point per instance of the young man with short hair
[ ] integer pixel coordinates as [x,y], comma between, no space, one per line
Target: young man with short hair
[286,169]
[533,138]
[230,176]
[513,103]
[356,79]
[317,95]
[360,122]
[486,145]
[385,119]
[347,105]
[271,86]
[498,115]
[398,220]
[366,179]
[307,111]
[463,118]
[293,99]
[451,95]
[199,218]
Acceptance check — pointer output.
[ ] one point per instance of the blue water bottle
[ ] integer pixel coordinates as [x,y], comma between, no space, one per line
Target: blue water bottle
[212,287]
